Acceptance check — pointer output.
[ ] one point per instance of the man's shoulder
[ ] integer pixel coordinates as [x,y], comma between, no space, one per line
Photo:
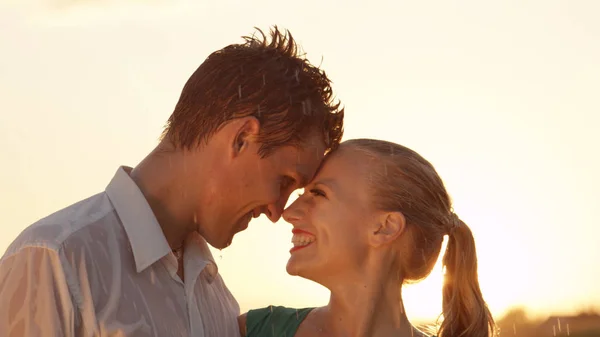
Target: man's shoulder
[57,229]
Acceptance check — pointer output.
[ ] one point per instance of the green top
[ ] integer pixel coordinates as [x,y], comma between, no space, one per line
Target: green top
[274,321]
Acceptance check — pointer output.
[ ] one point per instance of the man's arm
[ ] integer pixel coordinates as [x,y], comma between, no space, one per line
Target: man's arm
[34,295]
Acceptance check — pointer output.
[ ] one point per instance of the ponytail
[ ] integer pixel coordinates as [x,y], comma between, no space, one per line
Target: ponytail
[465,312]
[405,181]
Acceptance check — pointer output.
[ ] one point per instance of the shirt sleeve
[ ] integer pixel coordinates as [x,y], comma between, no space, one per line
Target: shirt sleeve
[34,295]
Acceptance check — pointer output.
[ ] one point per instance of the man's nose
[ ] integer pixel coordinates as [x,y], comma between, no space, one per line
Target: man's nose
[275,210]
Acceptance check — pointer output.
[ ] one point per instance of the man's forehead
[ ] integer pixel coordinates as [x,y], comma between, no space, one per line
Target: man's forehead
[308,160]
[310,153]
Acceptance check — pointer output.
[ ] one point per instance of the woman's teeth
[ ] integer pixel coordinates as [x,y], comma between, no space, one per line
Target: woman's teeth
[302,240]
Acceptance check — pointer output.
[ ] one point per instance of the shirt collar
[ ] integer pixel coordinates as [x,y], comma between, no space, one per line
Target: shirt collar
[197,248]
[146,238]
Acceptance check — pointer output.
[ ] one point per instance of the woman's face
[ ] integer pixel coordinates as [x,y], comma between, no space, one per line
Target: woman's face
[331,220]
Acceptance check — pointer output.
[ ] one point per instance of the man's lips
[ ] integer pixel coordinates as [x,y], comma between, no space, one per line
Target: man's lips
[256,212]
[245,221]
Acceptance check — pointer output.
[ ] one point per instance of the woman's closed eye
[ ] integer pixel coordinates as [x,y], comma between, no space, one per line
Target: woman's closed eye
[317,192]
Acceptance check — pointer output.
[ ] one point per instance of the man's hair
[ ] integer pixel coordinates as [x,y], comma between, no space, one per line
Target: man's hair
[270,81]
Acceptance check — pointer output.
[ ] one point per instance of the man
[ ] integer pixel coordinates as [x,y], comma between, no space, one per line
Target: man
[252,125]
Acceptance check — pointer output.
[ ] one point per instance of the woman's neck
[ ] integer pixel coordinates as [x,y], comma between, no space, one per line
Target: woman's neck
[371,307]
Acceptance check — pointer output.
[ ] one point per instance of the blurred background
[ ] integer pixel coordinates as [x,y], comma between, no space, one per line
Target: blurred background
[502,97]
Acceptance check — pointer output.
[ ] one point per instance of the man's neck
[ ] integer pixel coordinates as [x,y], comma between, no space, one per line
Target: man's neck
[159,177]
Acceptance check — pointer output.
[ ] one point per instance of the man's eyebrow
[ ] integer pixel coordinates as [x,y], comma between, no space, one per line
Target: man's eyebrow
[302,168]
[303,179]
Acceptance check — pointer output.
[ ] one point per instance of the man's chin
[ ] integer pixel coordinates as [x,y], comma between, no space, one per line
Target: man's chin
[227,242]
[222,245]
[230,240]
[218,244]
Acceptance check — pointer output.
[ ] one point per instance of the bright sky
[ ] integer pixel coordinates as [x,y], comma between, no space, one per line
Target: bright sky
[502,97]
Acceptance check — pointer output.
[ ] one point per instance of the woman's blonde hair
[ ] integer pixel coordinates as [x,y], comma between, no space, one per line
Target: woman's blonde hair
[405,182]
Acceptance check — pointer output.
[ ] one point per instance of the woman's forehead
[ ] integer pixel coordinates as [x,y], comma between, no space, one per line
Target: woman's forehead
[346,164]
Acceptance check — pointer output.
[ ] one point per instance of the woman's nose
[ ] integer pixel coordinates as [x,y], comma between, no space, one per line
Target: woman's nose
[294,212]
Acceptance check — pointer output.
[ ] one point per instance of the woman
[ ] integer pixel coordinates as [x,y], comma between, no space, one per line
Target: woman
[372,219]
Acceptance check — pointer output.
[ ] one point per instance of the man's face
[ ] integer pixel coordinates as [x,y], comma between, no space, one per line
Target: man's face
[249,186]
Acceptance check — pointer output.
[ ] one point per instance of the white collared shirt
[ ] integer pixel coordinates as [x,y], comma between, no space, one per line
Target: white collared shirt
[102,267]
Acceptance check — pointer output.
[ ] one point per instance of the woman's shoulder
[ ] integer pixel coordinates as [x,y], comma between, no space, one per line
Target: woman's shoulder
[274,320]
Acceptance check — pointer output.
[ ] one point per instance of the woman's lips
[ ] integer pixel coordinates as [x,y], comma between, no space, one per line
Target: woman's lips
[301,239]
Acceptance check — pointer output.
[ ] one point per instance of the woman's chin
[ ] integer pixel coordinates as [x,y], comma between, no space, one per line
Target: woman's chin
[292,269]
[298,268]
[301,269]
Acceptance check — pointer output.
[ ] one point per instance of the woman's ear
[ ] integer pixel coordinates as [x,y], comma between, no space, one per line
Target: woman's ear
[389,227]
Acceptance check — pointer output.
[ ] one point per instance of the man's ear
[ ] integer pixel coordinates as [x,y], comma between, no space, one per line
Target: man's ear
[245,132]
[389,228]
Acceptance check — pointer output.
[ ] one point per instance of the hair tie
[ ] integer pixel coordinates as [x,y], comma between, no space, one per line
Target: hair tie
[453,223]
